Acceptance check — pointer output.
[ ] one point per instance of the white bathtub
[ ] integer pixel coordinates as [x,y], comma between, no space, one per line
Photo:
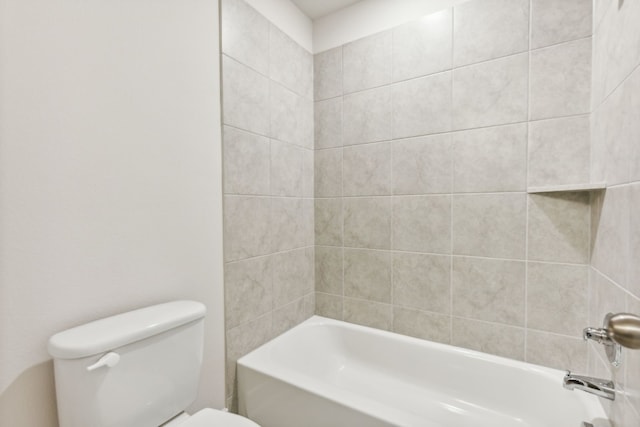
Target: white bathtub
[326,373]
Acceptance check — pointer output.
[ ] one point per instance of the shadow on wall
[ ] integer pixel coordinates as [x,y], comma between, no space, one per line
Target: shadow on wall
[30,400]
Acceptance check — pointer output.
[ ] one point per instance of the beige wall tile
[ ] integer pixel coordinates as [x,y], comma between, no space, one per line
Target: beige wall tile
[329,306]
[488,29]
[286,169]
[501,340]
[421,165]
[288,316]
[248,290]
[329,270]
[308,172]
[559,151]
[555,22]
[423,47]
[491,93]
[328,173]
[288,223]
[490,159]
[328,222]
[421,324]
[291,116]
[367,275]
[561,80]
[422,281]
[367,62]
[610,222]
[489,289]
[491,225]
[246,233]
[422,223]
[367,222]
[246,163]
[366,313]
[248,43]
[245,103]
[422,106]
[327,67]
[293,274]
[559,227]
[242,340]
[634,240]
[367,170]
[557,298]
[290,64]
[367,116]
[328,123]
[556,351]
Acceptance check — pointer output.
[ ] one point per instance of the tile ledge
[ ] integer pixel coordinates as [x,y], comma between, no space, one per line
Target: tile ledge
[595,186]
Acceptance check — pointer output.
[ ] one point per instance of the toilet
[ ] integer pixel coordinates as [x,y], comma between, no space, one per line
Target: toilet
[136,369]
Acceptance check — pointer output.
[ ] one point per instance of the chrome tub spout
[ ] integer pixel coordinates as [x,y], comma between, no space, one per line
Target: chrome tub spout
[597,386]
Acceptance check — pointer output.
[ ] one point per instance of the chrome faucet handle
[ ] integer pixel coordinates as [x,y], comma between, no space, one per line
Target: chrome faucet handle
[599,335]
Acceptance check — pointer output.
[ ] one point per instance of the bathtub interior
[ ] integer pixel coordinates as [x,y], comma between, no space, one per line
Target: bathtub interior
[402,379]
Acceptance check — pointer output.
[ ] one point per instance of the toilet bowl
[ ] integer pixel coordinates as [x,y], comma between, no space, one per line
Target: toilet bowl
[136,369]
[211,418]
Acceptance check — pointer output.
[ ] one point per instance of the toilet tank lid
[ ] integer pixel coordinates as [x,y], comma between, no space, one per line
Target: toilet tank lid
[122,329]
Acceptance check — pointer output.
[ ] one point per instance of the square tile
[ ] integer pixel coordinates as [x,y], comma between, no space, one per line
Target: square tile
[557,298]
[288,223]
[246,233]
[490,159]
[422,106]
[422,224]
[422,281]
[491,93]
[489,29]
[290,64]
[501,340]
[286,169]
[490,225]
[248,290]
[367,170]
[367,116]
[559,151]
[245,34]
[427,326]
[328,222]
[329,270]
[329,306]
[555,351]
[328,172]
[422,165]
[423,47]
[327,74]
[245,100]
[561,80]
[328,123]
[367,275]
[559,227]
[246,162]
[489,289]
[367,222]
[367,62]
[368,313]
[555,22]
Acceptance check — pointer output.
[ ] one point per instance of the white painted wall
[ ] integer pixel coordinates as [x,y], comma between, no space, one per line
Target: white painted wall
[369,17]
[110,178]
[288,18]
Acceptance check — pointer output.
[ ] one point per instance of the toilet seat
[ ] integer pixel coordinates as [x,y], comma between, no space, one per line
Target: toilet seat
[212,418]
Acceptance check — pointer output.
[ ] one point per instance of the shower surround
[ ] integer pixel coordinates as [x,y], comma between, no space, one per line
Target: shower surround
[426,140]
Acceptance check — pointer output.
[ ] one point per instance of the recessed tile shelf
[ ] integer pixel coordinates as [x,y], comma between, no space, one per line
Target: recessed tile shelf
[596,186]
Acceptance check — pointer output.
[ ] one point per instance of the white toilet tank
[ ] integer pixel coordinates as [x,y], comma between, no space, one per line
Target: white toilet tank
[155,355]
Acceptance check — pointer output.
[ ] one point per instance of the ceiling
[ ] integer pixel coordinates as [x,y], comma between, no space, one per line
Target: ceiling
[315,9]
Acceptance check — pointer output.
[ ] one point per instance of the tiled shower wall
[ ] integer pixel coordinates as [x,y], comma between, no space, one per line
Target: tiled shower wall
[268,181]
[615,236]
[427,137]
